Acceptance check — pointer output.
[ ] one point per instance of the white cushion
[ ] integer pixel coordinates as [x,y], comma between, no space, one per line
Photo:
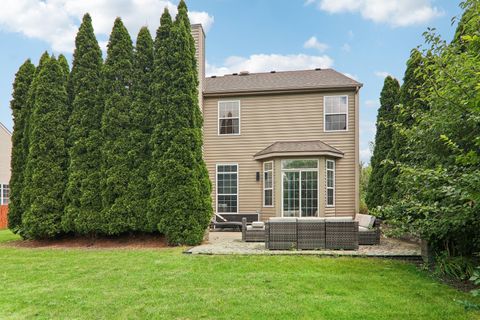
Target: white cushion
[250,228]
[283,219]
[311,219]
[339,219]
[363,229]
[258,224]
[365,220]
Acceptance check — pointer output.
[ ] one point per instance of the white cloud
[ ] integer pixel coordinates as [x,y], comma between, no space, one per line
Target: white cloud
[308,2]
[346,47]
[57,21]
[313,43]
[367,127]
[372,103]
[269,62]
[382,74]
[397,13]
[353,76]
[365,155]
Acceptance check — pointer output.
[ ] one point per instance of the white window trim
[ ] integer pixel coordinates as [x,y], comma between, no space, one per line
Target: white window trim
[2,200]
[239,118]
[273,184]
[326,183]
[325,115]
[216,187]
[317,169]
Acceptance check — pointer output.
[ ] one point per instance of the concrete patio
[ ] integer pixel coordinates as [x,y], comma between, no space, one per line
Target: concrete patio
[230,243]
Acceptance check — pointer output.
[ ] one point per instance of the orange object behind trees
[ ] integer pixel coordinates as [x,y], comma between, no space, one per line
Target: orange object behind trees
[3,217]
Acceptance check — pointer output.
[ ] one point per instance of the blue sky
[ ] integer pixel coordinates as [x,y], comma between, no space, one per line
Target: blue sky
[366,39]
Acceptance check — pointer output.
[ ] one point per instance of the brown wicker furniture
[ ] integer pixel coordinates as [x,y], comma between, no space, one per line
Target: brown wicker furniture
[281,234]
[341,234]
[254,232]
[369,229]
[310,233]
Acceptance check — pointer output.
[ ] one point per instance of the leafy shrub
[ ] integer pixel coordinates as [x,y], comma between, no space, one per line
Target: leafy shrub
[459,267]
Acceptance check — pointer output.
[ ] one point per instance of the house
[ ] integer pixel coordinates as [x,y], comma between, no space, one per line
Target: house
[5,156]
[280,143]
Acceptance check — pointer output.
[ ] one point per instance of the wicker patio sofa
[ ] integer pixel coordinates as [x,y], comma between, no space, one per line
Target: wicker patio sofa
[341,233]
[311,233]
[281,234]
[369,229]
[255,232]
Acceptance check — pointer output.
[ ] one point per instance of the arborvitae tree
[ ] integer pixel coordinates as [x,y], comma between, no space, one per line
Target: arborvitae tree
[160,86]
[378,189]
[184,186]
[116,125]
[21,85]
[411,103]
[46,163]
[141,130]
[27,175]
[83,203]
[64,65]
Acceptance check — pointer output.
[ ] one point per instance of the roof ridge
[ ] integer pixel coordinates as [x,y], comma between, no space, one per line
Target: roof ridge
[276,72]
[5,128]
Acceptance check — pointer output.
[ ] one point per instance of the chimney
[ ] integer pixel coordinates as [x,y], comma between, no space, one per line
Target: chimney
[199,37]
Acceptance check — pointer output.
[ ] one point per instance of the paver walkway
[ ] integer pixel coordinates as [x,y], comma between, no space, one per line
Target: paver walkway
[227,243]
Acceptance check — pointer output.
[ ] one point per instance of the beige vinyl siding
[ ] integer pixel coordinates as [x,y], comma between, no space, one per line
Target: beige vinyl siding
[5,154]
[281,117]
[199,37]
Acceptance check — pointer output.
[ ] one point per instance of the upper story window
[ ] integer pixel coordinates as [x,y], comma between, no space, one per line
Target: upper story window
[229,117]
[336,113]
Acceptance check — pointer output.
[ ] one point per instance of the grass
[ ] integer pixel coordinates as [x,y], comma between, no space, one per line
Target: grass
[149,284]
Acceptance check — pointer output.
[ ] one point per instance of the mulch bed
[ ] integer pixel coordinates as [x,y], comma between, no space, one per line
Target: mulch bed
[120,242]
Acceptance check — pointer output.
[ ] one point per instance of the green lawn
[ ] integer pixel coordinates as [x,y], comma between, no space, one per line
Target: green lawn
[146,284]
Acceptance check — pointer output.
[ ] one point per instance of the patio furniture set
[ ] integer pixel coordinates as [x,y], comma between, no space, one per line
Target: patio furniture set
[335,233]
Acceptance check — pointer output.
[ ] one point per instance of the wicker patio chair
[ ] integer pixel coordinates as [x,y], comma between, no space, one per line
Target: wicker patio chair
[252,234]
[341,234]
[370,236]
[310,233]
[281,234]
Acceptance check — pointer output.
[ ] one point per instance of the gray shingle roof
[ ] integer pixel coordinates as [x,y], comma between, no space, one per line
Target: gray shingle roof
[315,147]
[285,80]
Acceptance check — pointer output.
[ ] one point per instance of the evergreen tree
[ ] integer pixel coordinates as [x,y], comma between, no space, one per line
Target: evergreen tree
[46,163]
[184,188]
[378,190]
[83,203]
[21,85]
[27,175]
[410,99]
[162,78]
[116,126]
[64,65]
[141,130]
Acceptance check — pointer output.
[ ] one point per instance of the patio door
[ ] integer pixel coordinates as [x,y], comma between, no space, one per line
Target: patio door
[300,188]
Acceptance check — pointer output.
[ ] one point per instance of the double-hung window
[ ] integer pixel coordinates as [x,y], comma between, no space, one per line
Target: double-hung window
[268,184]
[4,194]
[227,188]
[336,113]
[330,173]
[229,117]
